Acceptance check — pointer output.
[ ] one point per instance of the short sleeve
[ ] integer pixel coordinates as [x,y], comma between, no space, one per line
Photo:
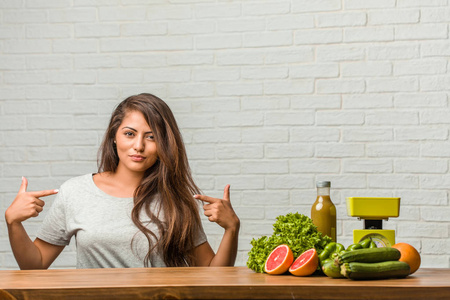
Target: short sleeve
[201,236]
[54,227]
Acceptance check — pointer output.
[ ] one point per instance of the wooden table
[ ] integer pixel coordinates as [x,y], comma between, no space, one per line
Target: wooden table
[212,283]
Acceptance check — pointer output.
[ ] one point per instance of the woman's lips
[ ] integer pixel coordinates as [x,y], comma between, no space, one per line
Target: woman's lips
[137,157]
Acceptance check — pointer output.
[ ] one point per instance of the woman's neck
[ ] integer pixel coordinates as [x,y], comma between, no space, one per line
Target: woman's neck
[120,184]
[128,178]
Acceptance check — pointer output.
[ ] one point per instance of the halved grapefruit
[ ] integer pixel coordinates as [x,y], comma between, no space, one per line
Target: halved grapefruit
[279,260]
[305,264]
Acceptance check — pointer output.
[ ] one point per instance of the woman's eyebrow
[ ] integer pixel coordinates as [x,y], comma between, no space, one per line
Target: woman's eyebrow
[131,128]
[127,127]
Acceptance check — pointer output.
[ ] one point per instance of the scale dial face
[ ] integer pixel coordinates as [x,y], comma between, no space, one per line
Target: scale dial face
[380,240]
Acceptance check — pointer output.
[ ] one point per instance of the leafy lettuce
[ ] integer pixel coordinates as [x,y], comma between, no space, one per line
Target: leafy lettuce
[295,230]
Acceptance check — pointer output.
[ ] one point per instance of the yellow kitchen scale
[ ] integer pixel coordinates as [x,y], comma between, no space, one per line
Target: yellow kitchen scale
[373,211]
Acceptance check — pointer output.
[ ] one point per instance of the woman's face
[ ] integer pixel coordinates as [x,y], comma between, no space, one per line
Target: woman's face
[135,144]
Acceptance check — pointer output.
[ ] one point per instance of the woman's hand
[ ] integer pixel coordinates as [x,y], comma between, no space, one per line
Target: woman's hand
[26,204]
[220,210]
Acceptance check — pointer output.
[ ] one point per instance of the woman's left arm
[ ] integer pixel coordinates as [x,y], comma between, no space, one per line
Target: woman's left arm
[221,212]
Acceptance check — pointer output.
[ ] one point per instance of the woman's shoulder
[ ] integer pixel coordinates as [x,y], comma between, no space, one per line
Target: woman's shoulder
[77,182]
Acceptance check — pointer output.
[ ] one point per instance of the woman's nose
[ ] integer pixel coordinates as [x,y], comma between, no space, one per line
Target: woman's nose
[139,144]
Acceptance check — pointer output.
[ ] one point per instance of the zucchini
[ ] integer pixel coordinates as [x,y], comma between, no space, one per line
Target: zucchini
[331,269]
[380,270]
[369,255]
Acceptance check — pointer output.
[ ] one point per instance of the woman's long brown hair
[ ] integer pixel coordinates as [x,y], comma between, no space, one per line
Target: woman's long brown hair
[169,180]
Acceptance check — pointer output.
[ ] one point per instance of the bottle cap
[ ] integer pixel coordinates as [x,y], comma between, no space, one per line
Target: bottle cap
[323,184]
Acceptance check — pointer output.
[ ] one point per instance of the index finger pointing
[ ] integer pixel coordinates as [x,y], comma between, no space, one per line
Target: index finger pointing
[206,198]
[45,193]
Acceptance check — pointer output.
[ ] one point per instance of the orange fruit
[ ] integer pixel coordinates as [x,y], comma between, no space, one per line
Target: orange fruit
[305,264]
[279,260]
[409,255]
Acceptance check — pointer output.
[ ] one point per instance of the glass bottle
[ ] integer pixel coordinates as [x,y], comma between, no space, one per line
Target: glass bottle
[323,211]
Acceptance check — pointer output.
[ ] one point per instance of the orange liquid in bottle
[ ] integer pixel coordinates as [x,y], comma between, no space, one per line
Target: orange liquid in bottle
[323,211]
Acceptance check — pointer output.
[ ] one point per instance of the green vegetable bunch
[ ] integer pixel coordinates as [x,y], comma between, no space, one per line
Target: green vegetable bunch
[295,230]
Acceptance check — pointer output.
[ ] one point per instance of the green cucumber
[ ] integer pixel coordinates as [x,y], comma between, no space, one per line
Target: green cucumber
[369,255]
[379,270]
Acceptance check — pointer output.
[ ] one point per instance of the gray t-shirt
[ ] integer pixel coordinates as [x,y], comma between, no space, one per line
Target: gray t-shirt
[102,227]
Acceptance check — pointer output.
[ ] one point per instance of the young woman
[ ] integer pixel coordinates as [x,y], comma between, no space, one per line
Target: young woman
[139,210]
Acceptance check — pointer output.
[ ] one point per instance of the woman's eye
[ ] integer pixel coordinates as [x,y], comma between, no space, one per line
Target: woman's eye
[150,137]
[129,133]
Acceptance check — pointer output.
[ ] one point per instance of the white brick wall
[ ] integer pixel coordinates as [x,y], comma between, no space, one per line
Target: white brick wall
[270,95]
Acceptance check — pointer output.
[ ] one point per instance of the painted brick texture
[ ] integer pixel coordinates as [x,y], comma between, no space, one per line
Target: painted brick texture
[270,96]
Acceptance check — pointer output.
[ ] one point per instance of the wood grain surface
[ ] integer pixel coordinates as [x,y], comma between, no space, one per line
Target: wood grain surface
[212,283]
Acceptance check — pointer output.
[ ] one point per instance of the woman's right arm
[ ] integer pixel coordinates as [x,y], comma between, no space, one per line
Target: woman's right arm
[28,254]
